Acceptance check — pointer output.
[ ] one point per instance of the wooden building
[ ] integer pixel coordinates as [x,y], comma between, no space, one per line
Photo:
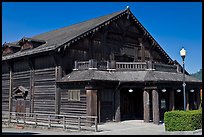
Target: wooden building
[110,67]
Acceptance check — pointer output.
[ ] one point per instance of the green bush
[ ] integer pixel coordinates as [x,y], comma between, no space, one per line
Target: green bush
[183,120]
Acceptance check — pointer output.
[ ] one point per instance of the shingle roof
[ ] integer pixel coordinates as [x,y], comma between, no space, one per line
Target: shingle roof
[131,76]
[70,34]
[60,36]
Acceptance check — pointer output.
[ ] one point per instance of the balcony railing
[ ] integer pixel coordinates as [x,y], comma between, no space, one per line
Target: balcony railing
[113,65]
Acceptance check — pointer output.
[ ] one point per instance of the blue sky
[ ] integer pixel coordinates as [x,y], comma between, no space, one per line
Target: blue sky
[173,24]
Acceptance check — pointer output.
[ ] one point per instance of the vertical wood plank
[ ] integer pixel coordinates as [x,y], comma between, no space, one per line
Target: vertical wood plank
[171,100]
[49,121]
[136,54]
[142,52]
[33,91]
[79,124]
[91,103]
[198,98]
[187,100]
[64,123]
[10,89]
[117,106]
[155,106]
[146,106]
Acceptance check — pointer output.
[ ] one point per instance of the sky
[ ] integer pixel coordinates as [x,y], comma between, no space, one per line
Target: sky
[172,24]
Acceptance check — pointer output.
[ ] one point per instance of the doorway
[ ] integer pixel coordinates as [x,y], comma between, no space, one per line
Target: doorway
[131,104]
[20,105]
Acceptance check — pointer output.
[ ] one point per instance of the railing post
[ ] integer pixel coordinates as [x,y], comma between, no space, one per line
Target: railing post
[64,126]
[35,118]
[79,123]
[75,65]
[49,122]
[17,118]
[9,121]
[24,115]
[91,63]
[108,65]
[96,125]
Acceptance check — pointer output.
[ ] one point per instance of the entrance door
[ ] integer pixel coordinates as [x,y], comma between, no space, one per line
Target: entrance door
[20,105]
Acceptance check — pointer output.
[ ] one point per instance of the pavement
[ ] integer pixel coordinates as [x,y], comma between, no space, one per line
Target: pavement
[128,127]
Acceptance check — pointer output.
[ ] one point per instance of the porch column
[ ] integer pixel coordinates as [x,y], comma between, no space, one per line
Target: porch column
[91,101]
[198,98]
[155,106]
[171,100]
[117,106]
[187,100]
[146,106]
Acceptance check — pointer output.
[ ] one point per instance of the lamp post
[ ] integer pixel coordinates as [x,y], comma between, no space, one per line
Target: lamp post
[183,55]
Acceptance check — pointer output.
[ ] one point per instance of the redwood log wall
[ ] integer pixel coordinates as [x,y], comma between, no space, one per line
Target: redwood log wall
[21,78]
[44,90]
[75,108]
[5,92]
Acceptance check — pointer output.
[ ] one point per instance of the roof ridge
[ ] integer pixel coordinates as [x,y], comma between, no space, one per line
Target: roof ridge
[87,20]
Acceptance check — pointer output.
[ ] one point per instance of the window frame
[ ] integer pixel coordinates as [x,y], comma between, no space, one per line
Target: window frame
[74,94]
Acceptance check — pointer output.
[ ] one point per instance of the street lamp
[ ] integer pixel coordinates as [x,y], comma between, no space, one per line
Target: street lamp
[183,55]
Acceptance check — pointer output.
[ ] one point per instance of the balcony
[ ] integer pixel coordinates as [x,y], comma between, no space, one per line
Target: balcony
[123,66]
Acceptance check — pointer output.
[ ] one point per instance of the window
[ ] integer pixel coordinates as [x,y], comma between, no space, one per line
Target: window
[73,95]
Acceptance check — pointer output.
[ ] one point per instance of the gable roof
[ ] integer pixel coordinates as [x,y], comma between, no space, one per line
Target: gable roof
[65,36]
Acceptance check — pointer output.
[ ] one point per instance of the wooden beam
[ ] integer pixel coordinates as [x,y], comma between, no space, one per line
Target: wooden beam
[155,106]
[198,98]
[91,102]
[146,106]
[171,100]
[117,106]
[136,54]
[10,87]
[104,43]
[142,52]
[57,89]
[187,100]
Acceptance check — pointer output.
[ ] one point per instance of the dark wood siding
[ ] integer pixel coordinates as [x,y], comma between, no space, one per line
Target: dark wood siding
[22,79]
[76,108]
[5,92]
[44,90]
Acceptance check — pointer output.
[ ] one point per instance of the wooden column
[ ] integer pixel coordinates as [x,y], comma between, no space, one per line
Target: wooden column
[187,100]
[142,52]
[91,46]
[171,100]
[91,101]
[155,106]
[58,75]
[31,91]
[10,88]
[136,54]
[57,100]
[117,106]
[146,106]
[198,98]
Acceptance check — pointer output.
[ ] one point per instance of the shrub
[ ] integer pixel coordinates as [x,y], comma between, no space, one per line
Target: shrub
[183,120]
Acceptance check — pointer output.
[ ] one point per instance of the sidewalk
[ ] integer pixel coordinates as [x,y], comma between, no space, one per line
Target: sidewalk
[129,127]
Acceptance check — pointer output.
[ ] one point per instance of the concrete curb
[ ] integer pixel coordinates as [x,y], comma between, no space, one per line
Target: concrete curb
[197,131]
[183,132]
